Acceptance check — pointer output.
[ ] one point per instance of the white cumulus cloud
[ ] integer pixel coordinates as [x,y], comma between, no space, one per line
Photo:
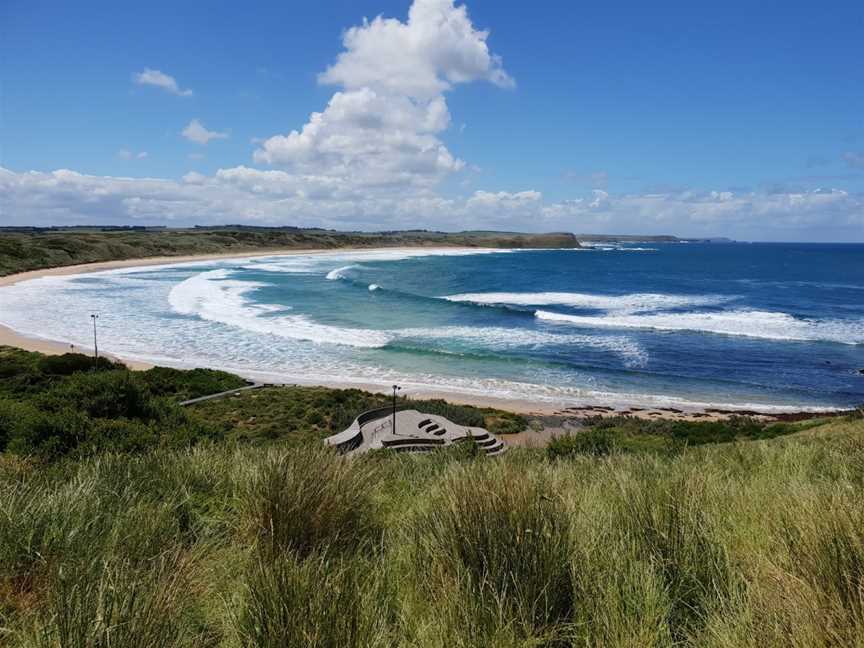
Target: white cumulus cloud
[368,140]
[276,197]
[434,49]
[381,131]
[196,132]
[161,80]
[372,157]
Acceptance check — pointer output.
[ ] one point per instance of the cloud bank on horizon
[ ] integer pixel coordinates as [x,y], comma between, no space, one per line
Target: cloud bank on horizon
[374,158]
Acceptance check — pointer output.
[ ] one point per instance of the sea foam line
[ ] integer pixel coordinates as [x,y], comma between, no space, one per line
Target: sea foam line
[213,297]
[496,338]
[632,303]
[339,273]
[322,262]
[745,323]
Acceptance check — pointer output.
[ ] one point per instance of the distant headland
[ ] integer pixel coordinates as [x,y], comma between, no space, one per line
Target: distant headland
[24,249]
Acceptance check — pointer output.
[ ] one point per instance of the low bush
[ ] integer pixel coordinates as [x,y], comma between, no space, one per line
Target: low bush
[183,385]
[592,442]
[505,422]
[70,363]
[48,434]
[109,394]
[54,406]
[693,432]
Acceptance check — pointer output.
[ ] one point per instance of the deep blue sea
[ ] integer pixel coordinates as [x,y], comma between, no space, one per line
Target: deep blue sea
[748,325]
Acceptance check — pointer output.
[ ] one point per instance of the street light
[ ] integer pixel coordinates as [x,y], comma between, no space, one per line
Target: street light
[94,317]
[396,388]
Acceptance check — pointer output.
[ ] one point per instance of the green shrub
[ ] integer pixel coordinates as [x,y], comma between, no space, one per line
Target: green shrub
[69,363]
[686,433]
[505,423]
[120,435]
[592,442]
[183,385]
[109,394]
[47,434]
[10,415]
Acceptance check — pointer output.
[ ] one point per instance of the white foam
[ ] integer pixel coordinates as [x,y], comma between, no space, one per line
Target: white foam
[746,323]
[339,273]
[633,303]
[322,262]
[500,338]
[433,385]
[213,297]
[374,287]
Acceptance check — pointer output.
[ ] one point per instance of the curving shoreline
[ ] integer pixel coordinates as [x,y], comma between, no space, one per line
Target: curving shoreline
[32,342]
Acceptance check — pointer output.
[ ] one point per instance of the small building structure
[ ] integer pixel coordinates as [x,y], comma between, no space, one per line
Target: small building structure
[413,432]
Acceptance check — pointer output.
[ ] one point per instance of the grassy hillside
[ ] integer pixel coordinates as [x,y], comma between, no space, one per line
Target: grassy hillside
[32,250]
[53,407]
[260,536]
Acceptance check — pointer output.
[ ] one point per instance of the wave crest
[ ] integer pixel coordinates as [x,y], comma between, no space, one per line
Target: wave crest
[214,297]
[339,273]
[632,303]
[745,323]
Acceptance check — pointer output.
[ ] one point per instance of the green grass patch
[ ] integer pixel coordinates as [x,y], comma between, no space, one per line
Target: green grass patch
[145,530]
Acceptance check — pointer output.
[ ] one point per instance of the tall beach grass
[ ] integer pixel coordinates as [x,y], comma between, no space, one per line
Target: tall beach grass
[744,544]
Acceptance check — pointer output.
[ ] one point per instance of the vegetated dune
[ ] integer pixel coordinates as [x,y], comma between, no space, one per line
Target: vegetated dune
[24,249]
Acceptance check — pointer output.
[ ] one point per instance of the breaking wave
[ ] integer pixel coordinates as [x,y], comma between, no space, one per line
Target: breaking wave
[339,273]
[633,303]
[214,297]
[501,339]
[745,323]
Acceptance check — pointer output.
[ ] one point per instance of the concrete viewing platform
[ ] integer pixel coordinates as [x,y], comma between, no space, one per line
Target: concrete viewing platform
[414,432]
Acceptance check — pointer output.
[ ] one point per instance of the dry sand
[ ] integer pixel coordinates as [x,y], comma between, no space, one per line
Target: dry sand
[8,337]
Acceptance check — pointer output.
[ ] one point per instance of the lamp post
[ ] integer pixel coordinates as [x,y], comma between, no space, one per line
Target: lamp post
[94,317]
[396,388]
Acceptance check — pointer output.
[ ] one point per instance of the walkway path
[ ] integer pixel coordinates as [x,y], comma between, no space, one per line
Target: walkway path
[223,394]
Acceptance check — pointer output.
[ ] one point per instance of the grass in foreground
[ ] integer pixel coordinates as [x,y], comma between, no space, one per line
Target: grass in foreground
[636,534]
[742,544]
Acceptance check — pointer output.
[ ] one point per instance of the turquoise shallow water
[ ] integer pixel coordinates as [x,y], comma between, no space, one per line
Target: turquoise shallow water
[765,325]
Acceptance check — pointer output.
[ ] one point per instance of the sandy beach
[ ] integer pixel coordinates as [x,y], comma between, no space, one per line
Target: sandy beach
[9,337]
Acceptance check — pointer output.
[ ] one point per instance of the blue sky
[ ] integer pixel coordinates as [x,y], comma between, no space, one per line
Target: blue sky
[741,119]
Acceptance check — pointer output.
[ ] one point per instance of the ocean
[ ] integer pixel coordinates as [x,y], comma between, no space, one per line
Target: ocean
[755,326]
